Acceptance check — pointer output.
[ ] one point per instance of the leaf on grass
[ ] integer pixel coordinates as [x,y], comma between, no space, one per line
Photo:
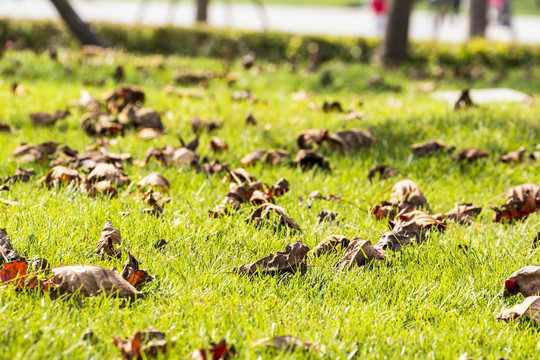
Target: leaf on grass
[262,213]
[289,343]
[97,123]
[116,100]
[430,147]
[463,214]
[109,172]
[213,167]
[520,201]
[141,118]
[330,244]
[279,188]
[239,175]
[395,239]
[199,125]
[219,351]
[13,270]
[60,175]
[173,156]
[272,156]
[406,196]
[346,141]
[110,236]
[145,344]
[38,263]
[35,153]
[331,106]
[290,261]
[149,133]
[45,119]
[87,101]
[7,251]
[309,158]
[152,200]
[160,244]
[326,216]
[237,195]
[470,155]
[307,138]
[359,253]
[515,156]
[102,188]
[526,281]
[154,179]
[384,171]
[464,100]
[250,120]
[132,273]
[217,145]
[5,128]
[530,308]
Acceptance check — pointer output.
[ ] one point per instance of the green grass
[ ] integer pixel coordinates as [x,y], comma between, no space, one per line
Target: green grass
[433,301]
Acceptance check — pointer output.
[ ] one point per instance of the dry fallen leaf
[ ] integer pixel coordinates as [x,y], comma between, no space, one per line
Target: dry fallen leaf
[173,156]
[290,343]
[45,119]
[154,179]
[359,253]
[5,128]
[272,156]
[20,175]
[239,176]
[217,145]
[430,147]
[132,273]
[331,243]
[116,100]
[530,308]
[346,141]
[520,201]
[515,156]
[384,172]
[326,216]
[110,236]
[37,153]
[290,261]
[470,155]
[405,193]
[219,351]
[250,120]
[463,214]
[7,251]
[525,280]
[307,138]
[199,125]
[149,133]
[464,100]
[262,213]
[60,175]
[109,172]
[309,158]
[96,123]
[145,344]
[102,188]
[141,118]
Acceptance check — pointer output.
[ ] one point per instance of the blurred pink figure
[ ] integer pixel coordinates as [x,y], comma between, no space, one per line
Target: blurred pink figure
[381,12]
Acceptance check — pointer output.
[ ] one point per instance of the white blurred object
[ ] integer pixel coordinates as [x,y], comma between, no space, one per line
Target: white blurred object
[483,96]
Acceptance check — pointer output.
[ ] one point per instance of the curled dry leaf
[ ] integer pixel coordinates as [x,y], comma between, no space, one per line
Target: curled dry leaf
[145,344]
[359,253]
[526,281]
[110,236]
[384,172]
[406,196]
[307,138]
[160,244]
[464,100]
[38,263]
[142,118]
[290,343]
[250,120]
[258,216]
[132,273]
[116,100]
[346,141]
[149,133]
[42,118]
[515,156]
[470,155]
[219,351]
[87,101]
[7,251]
[290,261]
[330,244]
[199,125]
[326,216]
[109,172]
[101,124]
[60,175]
[173,156]
[463,214]
[35,153]
[239,175]
[102,188]
[520,201]
[154,179]
[213,167]
[88,160]
[5,128]
[272,156]
[331,106]
[12,270]
[237,195]
[20,175]
[152,199]
[430,147]
[216,144]
[530,308]
[309,158]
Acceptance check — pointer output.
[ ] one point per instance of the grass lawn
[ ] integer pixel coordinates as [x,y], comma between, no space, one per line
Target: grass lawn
[433,301]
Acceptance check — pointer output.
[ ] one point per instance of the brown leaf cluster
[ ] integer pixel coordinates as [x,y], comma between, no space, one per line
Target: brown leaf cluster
[143,344]
[290,261]
[521,201]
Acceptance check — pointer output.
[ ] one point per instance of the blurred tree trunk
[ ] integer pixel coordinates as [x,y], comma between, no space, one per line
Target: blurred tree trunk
[202,10]
[396,42]
[478,18]
[78,27]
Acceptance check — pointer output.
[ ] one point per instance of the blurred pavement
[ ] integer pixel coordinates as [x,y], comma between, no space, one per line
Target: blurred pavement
[358,21]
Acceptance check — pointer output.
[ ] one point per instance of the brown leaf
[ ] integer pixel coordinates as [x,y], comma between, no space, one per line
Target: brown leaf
[290,343]
[239,175]
[258,216]
[526,281]
[309,158]
[326,215]
[142,118]
[151,200]
[384,172]
[347,141]
[307,138]
[132,273]
[530,308]
[87,101]
[359,253]
[45,119]
[328,197]
[217,145]
[430,147]
[470,155]
[116,100]
[38,263]
[330,244]
[198,125]
[12,270]
[521,201]
[160,244]
[110,236]
[464,100]
[463,214]
[60,175]
[515,156]
[154,179]
[219,351]
[237,195]
[109,172]
[7,251]
[37,153]
[5,128]
[172,156]
[407,192]
[279,188]
[102,188]
[89,280]
[145,344]
[332,106]
[288,262]
[214,167]
[272,156]
[101,124]
[250,120]
[149,133]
